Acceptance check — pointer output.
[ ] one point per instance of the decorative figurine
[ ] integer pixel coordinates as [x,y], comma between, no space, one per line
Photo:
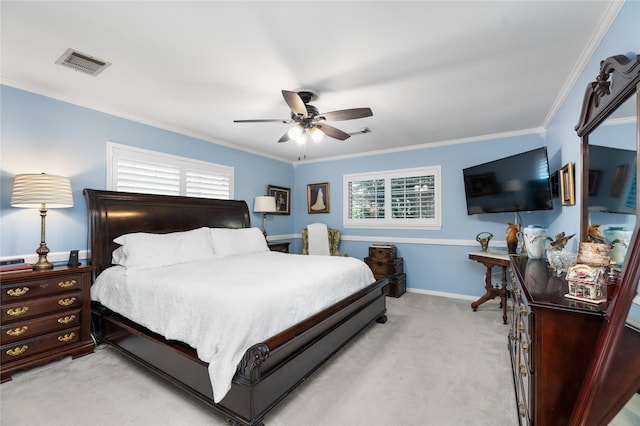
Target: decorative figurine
[594,234]
[560,241]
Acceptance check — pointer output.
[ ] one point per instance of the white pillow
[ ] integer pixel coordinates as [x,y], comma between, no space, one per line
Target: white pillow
[143,250]
[229,242]
[118,257]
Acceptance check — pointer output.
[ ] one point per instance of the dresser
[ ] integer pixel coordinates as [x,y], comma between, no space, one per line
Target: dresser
[551,341]
[45,316]
[384,263]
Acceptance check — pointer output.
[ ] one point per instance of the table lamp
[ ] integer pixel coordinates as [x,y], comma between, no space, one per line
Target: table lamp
[264,204]
[41,191]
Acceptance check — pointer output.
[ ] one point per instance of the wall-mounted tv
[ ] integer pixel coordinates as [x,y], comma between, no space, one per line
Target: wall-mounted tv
[612,178]
[512,184]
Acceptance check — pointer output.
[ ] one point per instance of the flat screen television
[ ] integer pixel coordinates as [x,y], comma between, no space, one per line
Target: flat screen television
[512,184]
[612,177]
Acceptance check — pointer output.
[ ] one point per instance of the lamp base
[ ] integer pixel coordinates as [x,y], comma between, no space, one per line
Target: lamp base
[42,263]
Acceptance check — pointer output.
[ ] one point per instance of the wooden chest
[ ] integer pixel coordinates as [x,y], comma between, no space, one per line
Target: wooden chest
[44,316]
[384,263]
[383,252]
[384,268]
[397,285]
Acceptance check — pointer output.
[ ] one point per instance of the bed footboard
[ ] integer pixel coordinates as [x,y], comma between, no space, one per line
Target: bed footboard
[268,371]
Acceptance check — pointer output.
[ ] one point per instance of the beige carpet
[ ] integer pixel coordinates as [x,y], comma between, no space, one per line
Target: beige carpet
[435,362]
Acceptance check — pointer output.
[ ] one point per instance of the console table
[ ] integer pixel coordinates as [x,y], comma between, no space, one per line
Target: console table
[489,260]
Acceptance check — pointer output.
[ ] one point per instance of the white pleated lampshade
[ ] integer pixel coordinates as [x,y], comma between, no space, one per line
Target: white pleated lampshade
[264,204]
[34,190]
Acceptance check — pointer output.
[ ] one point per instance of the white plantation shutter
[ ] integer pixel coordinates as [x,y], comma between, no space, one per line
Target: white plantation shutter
[137,170]
[408,198]
[150,178]
[207,184]
[366,199]
[413,197]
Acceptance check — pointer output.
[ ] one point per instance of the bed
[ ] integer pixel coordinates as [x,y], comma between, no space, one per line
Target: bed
[270,368]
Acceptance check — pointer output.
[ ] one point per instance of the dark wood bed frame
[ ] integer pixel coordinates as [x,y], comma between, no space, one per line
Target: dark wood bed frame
[269,370]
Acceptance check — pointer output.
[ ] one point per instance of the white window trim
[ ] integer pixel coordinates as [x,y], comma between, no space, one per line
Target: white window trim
[114,151]
[388,222]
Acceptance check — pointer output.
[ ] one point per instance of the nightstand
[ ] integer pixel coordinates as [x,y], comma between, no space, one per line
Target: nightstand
[45,316]
[282,247]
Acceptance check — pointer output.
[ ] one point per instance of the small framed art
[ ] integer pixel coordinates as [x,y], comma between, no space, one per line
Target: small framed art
[567,186]
[283,198]
[318,197]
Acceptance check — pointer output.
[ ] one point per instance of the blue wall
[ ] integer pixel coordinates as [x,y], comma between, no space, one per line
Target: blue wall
[40,134]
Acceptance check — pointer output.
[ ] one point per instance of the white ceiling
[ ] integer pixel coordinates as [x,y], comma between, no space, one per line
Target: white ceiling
[431,71]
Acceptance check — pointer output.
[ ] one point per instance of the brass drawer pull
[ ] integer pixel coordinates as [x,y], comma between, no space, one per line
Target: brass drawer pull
[523,369]
[66,302]
[520,326]
[525,344]
[17,350]
[17,331]
[66,284]
[67,319]
[16,312]
[66,337]
[17,292]
[523,310]
[522,410]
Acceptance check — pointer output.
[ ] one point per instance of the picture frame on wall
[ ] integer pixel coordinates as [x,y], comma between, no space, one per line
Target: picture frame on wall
[567,186]
[283,198]
[318,197]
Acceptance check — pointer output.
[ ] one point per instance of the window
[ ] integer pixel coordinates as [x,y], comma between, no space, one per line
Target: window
[139,170]
[407,198]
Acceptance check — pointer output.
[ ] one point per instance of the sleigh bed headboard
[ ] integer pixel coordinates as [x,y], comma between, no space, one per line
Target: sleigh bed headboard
[112,214]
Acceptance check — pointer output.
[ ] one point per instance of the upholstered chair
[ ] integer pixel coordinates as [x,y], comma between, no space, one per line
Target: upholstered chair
[333,235]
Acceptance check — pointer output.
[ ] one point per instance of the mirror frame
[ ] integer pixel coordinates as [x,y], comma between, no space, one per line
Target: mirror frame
[605,389]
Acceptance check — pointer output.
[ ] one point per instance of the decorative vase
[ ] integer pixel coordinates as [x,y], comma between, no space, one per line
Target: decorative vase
[483,238]
[535,238]
[619,239]
[512,234]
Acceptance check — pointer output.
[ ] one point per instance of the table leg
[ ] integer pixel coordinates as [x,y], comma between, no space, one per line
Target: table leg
[503,295]
[489,295]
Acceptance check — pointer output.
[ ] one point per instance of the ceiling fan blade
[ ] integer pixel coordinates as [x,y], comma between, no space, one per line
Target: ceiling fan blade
[264,120]
[333,132]
[295,102]
[284,137]
[347,114]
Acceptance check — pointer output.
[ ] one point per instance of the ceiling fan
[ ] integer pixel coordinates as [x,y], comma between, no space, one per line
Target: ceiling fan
[309,121]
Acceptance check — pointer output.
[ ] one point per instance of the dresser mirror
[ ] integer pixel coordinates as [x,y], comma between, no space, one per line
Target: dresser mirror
[609,118]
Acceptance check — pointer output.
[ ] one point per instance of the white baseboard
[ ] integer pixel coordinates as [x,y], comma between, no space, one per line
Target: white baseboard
[442,294]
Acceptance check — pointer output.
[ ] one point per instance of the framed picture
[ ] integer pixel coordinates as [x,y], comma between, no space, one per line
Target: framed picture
[318,197]
[619,176]
[567,188]
[283,198]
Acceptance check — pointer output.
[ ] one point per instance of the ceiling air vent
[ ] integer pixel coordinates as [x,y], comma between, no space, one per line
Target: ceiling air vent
[81,62]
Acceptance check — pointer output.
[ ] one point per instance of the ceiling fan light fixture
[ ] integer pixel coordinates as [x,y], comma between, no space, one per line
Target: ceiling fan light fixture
[316,134]
[295,133]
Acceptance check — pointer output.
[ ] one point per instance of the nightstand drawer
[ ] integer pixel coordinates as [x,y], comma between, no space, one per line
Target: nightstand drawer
[15,312]
[40,287]
[28,329]
[26,348]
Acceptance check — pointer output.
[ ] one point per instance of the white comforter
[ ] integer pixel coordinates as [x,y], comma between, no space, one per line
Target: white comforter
[222,307]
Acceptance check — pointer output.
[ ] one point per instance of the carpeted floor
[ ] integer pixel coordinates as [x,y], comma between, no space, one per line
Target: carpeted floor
[435,362]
